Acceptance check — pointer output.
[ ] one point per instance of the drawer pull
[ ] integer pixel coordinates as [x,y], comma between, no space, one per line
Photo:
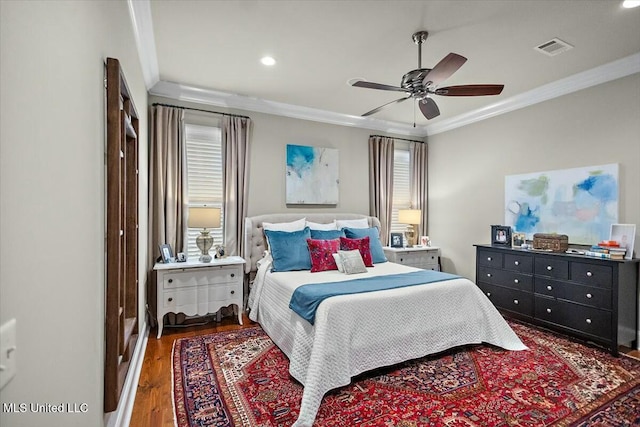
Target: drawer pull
[548,310]
[488,274]
[517,262]
[549,288]
[515,301]
[549,268]
[170,299]
[489,258]
[488,294]
[589,296]
[170,280]
[516,281]
[401,259]
[233,274]
[233,292]
[589,274]
[589,321]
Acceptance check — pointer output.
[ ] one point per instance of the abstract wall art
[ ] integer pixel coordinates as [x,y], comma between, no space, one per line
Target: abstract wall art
[581,202]
[312,175]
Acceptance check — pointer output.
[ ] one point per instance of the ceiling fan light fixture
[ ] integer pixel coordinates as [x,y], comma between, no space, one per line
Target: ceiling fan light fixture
[629,4]
[268,61]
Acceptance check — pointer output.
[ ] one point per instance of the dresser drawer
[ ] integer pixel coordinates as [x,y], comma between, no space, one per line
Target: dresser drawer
[522,263]
[553,268]
[595,297]
[589,320]
[490,258]
[509,299]
[179,299]
[208,276]
[591,274]
[510,279]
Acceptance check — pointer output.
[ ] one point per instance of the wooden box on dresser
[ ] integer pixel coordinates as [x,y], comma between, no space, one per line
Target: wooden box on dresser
[590,298]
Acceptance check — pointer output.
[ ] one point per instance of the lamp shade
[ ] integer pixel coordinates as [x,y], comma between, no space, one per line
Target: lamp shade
[204,217]
[409,216]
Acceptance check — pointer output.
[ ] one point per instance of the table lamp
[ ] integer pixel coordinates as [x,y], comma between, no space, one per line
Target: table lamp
[412,218]
[204,217]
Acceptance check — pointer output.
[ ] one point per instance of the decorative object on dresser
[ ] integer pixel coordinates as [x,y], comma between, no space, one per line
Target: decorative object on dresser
[518,240]
[500,235]
[204,217]
[411,217]
[625,235]
[166,253]
[592,299]
[198,288]
[551,242]
[396,240]
[426,257]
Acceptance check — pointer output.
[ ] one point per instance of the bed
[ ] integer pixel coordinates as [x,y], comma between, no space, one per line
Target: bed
[360,332]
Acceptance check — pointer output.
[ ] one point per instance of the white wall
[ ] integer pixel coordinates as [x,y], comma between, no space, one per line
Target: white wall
[52,197]
[467,166]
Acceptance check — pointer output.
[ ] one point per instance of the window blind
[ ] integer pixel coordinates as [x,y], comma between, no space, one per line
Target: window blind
[204,177]
[401,188]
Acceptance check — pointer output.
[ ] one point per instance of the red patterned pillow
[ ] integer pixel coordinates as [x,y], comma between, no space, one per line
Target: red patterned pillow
[321,252]
[362,245]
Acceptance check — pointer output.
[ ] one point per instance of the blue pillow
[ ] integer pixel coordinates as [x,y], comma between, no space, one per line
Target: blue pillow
[377,254]
[289,250]
[327,234]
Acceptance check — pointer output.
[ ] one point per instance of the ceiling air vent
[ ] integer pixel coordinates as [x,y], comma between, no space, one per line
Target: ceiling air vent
[553,47]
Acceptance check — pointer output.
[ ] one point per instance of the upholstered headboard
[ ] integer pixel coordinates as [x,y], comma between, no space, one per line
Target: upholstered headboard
[254,241]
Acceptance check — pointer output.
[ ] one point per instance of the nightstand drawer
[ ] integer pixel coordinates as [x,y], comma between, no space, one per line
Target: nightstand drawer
[180,298]
[210,276]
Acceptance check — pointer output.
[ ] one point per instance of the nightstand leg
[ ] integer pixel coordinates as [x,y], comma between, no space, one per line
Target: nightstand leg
[160,325]
[239,315]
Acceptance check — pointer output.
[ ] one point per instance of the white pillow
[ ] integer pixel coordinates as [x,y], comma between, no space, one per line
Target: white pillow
[319,226]
[338,262]
[352,223]
[285,226]
[352,262]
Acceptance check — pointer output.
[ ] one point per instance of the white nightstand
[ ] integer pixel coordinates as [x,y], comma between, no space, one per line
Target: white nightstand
[425,257]
[198,288]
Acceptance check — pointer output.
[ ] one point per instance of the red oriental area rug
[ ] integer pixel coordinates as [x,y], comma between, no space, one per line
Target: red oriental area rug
[240,378]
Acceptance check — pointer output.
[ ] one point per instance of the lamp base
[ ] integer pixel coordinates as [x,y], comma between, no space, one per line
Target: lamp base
[410,236]
[205,258]
[204,242]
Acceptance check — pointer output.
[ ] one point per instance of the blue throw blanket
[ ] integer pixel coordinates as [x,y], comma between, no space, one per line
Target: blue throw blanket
[306,298]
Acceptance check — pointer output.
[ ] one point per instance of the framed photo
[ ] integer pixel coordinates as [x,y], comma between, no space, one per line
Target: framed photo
[625,235]
[396,240]
[518,239]
[500,235]
[166,253]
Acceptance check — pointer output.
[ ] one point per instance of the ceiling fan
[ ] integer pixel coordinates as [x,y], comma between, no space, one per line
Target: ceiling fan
[422,83]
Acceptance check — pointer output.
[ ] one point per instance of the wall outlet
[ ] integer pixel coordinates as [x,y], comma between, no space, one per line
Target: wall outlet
[8,352]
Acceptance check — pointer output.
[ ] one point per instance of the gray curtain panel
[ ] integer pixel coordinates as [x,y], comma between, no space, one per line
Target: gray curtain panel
[381,183]
[166,188]
[418,179]
[236,135]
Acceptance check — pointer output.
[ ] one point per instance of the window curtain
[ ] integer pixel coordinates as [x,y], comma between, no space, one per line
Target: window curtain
[381,183]
[418,182]
[166,188]
[236,133]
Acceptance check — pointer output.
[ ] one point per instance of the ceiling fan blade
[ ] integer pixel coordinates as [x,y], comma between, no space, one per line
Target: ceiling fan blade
[444,69]
[375,110]
[429,108]
[371,85]
[469,90]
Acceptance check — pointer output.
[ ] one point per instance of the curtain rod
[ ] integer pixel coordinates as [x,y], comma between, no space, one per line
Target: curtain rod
[401,139]
[198,109]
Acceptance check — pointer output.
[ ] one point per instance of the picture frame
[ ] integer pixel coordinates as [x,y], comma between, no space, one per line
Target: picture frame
[500,235]
[518,239]
[396,240]
[166,252]
[625,234]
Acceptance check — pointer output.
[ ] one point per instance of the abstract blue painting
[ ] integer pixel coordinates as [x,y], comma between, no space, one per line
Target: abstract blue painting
[581,202]
[312,175]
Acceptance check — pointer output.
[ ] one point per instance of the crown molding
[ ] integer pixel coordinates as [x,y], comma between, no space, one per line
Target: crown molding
[142,23]
[598,75]
[229,100]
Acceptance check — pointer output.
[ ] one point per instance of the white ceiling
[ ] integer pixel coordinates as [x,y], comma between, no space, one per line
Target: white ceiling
[213,48]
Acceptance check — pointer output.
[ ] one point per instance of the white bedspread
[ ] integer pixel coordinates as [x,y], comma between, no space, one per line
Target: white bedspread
[356,333]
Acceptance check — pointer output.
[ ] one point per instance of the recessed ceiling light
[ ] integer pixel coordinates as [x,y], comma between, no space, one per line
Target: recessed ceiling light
[630,3]
[267,60]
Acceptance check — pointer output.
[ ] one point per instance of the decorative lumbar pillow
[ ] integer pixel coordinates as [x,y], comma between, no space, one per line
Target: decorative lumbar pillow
[326,234]
[352,262]
[320,226]
[289,250]
[352,223]
[377,254]
[362,245]
[321,252]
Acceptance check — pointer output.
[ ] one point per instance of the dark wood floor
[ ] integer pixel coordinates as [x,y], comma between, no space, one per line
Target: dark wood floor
[153,406]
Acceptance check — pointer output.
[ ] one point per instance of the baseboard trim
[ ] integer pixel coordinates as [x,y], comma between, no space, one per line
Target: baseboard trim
[122,415]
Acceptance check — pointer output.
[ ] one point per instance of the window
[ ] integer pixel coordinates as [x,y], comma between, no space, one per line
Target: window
[204,177]
[401,188]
